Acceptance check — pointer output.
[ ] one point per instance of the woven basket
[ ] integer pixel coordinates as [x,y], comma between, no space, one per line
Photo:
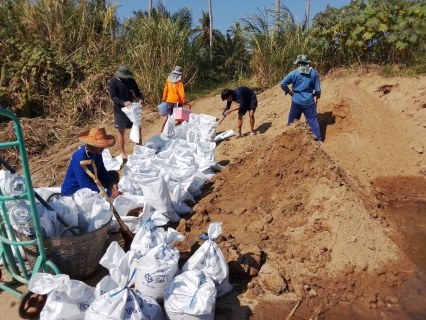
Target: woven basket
[77,256]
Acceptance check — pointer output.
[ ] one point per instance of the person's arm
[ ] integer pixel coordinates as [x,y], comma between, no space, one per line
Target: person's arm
[83,179]
[317,86]
[113,92]
[165,91]
[228,109]
[181,91]
[138,93]
[104,176]
[286,82]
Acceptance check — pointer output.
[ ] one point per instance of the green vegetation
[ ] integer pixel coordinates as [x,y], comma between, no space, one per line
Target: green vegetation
[57,57]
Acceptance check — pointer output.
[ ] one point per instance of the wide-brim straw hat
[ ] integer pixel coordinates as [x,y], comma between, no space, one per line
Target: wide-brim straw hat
[124,72]
[97,137]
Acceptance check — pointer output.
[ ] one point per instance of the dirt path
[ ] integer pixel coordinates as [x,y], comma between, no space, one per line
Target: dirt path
[304,219]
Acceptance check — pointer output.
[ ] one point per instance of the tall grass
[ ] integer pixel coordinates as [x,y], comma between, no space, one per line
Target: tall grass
[50,47]
[155,44]
[273,49]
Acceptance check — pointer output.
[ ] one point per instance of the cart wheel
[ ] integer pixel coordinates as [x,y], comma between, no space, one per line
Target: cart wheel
[31,304]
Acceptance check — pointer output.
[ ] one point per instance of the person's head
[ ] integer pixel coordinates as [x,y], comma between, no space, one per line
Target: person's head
[177,70]
[227,94]
[96,140]
[176,74]
[302,60]
[123,73]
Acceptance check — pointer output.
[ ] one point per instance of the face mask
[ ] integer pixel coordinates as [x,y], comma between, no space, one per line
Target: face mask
[304,68]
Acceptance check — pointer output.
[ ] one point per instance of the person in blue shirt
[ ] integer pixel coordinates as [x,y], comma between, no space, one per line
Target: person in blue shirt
[247,101]
[305,86]
[96,140]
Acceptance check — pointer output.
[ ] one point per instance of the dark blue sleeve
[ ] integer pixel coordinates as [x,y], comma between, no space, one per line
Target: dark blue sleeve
[228,106]
[136,90]
[113,92]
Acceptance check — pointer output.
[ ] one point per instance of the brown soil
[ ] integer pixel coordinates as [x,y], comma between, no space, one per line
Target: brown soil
[303,219]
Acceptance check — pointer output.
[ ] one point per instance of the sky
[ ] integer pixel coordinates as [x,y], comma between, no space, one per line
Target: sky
[226,12]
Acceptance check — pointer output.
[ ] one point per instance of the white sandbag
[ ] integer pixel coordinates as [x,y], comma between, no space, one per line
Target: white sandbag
[181,130]
[134,113]
[148,235]
[20,217]
[84,199]
[124,203]
[14,184]
[178,200]
[211,260]
[151,307]
[67,209]
[192,135]
[49,223]
[110,162]
[67,299]
[100,215]
[191,296]
[224,135]
[206,150]
[156,143]
[46,192]
[206,119]
[121,302]
[208,132]
[157,195]
[180,173]
[143,151]
[169,130]
[157,269]
[195,184]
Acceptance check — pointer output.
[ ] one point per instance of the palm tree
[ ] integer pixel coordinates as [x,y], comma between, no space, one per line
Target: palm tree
[202,32]
[231,55]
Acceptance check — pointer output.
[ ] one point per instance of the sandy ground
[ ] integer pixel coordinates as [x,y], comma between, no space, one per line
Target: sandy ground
[304,219]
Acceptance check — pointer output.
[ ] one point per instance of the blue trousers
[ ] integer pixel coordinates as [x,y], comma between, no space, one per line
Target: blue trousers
[311,115]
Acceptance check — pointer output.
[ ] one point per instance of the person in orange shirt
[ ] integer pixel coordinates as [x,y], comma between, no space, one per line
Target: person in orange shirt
[173,93]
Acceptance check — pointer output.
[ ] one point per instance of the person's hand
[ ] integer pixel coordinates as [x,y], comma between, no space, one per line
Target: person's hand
[115,193]
[227,112]
[141,101]
[127,104]
[291,93]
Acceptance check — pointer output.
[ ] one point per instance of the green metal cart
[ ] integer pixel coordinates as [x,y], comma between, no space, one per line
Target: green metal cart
[31,304]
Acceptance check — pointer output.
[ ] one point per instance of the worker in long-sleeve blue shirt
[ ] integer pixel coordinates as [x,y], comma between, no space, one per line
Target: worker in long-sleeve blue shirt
[305,86]
[96,140]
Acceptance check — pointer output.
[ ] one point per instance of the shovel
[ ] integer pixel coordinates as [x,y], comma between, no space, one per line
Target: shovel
[124,229]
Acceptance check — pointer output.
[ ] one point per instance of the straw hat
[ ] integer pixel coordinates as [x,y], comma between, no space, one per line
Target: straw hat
[97,137]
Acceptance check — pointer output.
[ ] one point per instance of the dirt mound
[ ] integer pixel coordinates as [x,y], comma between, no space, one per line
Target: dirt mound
[295,222]
[303,218]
